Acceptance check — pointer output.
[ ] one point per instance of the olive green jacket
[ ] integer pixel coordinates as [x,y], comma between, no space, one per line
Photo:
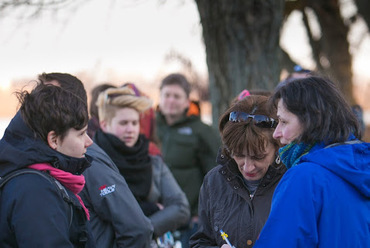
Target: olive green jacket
[189,148]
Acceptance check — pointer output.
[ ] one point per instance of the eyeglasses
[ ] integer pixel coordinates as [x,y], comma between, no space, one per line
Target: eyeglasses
[258,120]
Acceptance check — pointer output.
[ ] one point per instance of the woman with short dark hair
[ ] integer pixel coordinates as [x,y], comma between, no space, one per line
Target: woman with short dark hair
[47,138]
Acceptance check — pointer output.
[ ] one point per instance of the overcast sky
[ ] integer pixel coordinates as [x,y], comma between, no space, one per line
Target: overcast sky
[106,37]
[100,36]
[129,37]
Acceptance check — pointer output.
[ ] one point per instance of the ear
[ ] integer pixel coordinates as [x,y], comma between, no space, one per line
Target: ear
[103,125]
[52,140]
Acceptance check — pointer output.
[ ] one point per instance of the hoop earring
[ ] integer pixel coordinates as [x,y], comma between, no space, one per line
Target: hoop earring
[277,160]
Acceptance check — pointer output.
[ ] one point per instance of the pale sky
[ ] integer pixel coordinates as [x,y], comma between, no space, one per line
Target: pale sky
[100,36]
[128,37]
[110,36]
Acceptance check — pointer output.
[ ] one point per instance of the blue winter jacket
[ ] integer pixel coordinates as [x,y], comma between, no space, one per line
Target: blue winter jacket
[324,201]
[33,212]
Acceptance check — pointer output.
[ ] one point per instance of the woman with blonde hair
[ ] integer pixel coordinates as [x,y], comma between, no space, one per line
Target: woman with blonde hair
[147,176]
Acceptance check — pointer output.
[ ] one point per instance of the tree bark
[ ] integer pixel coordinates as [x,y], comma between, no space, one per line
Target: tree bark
[334,45]
[363,7]
[242,46]
[331,50]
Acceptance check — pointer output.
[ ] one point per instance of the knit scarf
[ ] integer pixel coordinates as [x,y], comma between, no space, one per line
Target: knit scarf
[292,153]
[134,163]
[74,183]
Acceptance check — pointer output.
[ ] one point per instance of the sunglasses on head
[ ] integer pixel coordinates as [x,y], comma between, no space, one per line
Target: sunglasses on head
[258,120]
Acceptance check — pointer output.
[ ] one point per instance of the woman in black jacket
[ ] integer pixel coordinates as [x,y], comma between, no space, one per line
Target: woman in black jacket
[236,195]
[47,136]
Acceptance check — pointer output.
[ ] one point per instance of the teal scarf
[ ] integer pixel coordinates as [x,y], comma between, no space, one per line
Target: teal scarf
[292,153]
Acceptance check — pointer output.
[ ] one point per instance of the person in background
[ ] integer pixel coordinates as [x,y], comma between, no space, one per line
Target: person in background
[93,124]
[148,177]
[147,122]
[188,146]
[106,189]
[323,200]
[236,195]
[48,134]
[298,72]
[146,118]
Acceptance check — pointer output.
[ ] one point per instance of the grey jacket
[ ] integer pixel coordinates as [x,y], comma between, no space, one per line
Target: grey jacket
[167,192]
[225,203]
[116,217]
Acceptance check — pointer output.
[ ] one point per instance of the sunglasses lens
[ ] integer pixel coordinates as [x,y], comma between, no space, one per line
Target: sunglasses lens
[232,117]
[261,121]
[238,116]
[258,120]
[264,121]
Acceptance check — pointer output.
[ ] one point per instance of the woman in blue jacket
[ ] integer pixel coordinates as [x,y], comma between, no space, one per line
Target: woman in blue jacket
[47,135]
[324,199]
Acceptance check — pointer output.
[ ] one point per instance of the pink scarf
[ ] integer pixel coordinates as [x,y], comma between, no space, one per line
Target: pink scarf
[74,183]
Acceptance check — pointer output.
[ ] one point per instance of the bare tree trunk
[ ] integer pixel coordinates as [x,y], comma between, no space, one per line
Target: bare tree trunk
[334,56]
[363,7]
[242,47]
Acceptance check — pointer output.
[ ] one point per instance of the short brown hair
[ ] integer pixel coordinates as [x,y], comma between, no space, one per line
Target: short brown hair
[66,81]
[238,136]
[94,97]
[51,108]
[177,79]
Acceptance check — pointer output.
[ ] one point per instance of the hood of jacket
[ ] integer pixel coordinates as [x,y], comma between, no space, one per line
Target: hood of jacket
[20,148]
[351,162]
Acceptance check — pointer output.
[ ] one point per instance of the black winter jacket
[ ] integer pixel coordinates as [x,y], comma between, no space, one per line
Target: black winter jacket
[33,212]
[115,216]
[225,203]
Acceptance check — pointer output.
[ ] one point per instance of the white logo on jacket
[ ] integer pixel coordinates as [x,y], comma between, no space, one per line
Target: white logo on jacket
[185,130]
[105,190]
